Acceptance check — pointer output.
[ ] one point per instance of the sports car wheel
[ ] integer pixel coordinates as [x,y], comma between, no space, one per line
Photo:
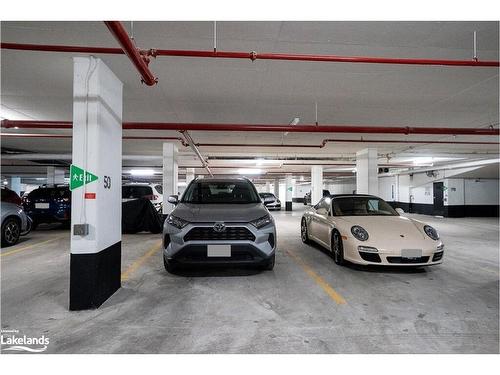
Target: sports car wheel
[303,232]
[11,230]
[337,248]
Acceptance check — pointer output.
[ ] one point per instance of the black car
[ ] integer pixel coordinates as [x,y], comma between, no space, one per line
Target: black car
[270,201]
[307,197]
[49,204]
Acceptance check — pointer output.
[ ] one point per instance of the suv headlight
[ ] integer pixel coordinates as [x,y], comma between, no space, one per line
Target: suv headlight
[359,232]
[262,222]
[177,221]
[431,232]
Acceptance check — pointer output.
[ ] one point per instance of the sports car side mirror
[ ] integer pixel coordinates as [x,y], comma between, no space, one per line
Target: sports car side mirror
[400,211]
[173,199]
[321,211]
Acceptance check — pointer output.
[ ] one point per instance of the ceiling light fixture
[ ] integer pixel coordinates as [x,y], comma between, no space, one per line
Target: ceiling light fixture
[246,171]
[294,122]
[142,172]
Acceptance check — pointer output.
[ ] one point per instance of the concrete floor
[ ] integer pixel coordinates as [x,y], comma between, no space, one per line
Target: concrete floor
[297,308]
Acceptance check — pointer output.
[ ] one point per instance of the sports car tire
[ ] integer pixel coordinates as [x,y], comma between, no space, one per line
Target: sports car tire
[337,248]
[303,232]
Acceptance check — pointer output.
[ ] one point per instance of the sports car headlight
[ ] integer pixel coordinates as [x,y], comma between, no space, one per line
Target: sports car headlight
[359,232]
[431,232]
[177,221]
[262,222]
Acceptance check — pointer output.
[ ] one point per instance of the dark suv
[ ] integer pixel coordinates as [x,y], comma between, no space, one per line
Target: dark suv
[49,204]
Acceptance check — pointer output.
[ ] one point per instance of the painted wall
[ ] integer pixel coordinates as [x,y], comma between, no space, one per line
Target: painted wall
[481,192]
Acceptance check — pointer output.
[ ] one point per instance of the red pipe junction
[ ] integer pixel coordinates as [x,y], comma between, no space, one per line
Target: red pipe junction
[140,61]
[251,55]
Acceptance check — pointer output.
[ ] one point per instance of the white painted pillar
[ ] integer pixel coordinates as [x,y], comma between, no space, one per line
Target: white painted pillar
[55,176]
[316,184]
[288,193]
[367,171]
[268,187]
[277,187]
[96,209]
[189,175]
[15,185]
[170,174]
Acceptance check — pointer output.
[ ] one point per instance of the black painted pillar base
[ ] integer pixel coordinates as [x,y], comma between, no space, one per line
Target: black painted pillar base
[94,277]
[288,206]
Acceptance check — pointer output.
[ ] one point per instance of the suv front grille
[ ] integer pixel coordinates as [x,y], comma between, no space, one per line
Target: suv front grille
[229,234]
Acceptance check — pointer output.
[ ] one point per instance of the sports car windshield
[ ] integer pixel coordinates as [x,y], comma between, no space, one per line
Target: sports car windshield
[222,192]
[362,206]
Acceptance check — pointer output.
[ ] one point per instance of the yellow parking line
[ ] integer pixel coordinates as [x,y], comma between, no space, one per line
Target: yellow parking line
[332,293]
[30,246]
[139,262]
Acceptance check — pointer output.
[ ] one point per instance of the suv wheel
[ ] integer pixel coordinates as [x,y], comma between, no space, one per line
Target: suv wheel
[270,263]
[169,267]
[11,230]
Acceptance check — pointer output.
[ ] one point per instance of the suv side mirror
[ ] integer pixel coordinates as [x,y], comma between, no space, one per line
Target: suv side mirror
[173,199]
[400,211]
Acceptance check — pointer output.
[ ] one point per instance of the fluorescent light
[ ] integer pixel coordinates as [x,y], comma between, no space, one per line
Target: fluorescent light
[5,183]
[249,171]
[295,121]
[423,161]
[142,172]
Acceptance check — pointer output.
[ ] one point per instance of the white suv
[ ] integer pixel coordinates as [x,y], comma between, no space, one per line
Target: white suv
[135,190]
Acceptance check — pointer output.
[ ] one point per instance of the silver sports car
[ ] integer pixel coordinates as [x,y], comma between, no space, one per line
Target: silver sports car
[219,221]
[365,229]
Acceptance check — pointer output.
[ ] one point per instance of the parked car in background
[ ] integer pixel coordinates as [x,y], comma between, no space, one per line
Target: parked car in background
[11,196]
[365,229]
[219,221]
[270,201]
[307,197]
[49,204]
[135,190]
[15,222]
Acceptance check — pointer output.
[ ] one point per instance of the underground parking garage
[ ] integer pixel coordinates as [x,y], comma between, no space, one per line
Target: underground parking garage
[250,187]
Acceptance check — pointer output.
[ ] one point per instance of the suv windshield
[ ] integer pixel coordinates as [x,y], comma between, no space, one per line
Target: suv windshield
[228,192]
[362,206]
[138,191]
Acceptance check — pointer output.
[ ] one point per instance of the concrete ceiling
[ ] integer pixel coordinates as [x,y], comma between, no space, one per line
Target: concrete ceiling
[38,85]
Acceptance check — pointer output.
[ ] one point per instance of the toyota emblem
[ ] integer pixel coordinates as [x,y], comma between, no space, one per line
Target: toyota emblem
[219,227]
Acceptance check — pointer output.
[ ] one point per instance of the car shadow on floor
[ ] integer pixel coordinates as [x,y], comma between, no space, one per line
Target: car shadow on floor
[216,271]
[371,268]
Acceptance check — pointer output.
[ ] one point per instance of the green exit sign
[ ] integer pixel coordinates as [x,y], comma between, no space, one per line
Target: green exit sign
[80,177]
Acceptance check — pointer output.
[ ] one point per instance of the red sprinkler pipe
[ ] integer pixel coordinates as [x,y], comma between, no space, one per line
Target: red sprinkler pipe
[265,128]
[251,55]
[32,135]
[140,62]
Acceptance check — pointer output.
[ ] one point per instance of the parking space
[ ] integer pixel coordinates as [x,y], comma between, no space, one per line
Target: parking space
[307,304]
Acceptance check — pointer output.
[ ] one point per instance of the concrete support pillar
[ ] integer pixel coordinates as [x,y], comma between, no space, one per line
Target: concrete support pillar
[55,175]
[316,184]
[96,183]
[277,187]
[15,185]
[170,174]
[289,193]
[367,171]
[268,187]
[189,175]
